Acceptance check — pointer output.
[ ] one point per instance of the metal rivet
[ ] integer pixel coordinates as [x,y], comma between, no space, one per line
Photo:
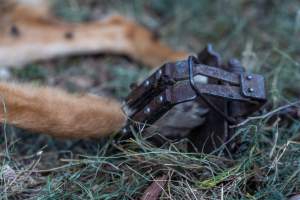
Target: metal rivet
[147,83]
[147,110]
[124,130]
[160,99]
[250,90]
[159,72]
[249,77]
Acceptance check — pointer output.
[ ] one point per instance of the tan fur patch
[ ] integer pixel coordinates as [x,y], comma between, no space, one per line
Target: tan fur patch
[53,111]
[43,37]
[28,32]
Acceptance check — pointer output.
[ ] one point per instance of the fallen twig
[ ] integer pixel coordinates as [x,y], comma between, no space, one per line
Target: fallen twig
[154,190]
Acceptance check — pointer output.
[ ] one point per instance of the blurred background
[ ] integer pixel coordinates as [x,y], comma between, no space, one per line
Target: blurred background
[264,35]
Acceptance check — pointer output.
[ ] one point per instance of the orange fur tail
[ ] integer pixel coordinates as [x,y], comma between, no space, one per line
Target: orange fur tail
[54,112]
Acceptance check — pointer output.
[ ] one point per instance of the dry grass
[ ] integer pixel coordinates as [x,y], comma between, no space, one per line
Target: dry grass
[265,35]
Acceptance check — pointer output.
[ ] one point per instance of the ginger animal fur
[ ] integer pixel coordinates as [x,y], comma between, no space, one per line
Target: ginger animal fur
[53,111]
[28,32]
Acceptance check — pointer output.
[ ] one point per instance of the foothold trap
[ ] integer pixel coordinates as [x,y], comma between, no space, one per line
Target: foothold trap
[228,92]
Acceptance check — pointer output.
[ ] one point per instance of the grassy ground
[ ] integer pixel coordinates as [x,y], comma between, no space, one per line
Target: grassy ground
[263,34]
